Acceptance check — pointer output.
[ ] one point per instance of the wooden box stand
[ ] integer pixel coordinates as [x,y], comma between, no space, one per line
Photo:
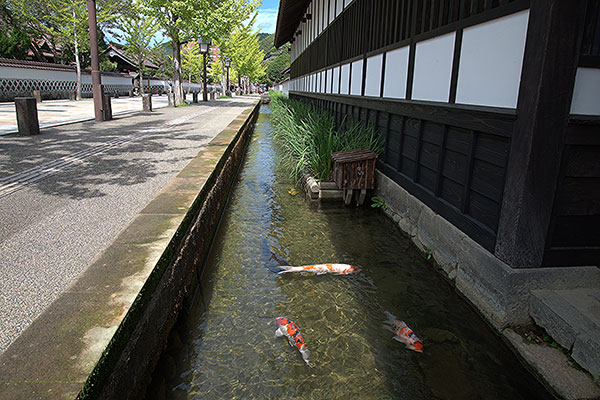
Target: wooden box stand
[354,170]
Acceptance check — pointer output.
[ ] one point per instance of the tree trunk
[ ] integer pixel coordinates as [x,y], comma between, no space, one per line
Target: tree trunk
[141,68]
[77,62]
[177,86]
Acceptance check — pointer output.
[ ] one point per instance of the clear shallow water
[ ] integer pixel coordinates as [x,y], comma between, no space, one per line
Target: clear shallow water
[227,349]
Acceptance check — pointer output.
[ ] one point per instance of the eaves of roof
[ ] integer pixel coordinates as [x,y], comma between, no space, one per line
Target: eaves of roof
[288,18]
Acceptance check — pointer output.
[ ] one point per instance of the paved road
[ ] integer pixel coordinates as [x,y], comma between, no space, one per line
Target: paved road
[58,112]
[65,194]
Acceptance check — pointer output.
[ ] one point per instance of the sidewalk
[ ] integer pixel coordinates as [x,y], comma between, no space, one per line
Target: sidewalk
[65,195]
[58,112]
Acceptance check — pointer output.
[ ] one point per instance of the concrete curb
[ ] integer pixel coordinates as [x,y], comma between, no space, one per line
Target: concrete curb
[106,331]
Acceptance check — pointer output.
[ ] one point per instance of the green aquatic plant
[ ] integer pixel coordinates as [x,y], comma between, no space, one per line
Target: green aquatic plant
[308,136]
[378,202]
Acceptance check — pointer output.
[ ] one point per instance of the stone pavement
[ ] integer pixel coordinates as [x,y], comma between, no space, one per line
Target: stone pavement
[65,195]
[58,112]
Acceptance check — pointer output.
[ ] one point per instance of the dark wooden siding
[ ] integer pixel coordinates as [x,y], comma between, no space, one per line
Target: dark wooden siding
[590,43]
[394,23]
[574,235]
[452,158]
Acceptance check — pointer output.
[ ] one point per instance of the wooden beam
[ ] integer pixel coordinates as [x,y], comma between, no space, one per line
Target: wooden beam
[548,76]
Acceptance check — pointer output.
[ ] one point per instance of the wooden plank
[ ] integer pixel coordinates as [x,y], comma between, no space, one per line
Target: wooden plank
[484,210]
[469,172]
[427,178]
[455,65]
[492,149]
[547,81]
[452,192]
[440,165]
[488,180]
[492,121]
[578,196]
[559,257]
[577,231]
[583,161]
[474,229]
[455,166]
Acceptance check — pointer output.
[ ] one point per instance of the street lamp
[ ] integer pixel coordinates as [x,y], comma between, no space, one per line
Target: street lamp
[227,65]
[204,47]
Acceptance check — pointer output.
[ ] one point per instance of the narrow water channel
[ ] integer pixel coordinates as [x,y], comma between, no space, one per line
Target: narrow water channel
[228,349]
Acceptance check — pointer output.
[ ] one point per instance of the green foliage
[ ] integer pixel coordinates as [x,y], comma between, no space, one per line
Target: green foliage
[186,20]
[275,66]
[308,136]
[108,66]
[243,49]
[193,61]
[378,202]
[14,44]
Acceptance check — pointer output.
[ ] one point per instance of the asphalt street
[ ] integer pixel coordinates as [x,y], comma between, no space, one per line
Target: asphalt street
[65,194]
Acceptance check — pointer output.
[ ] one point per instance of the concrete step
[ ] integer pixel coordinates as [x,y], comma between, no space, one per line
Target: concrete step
[572,318]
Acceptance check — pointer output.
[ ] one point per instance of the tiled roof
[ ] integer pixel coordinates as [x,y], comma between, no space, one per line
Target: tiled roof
[7,62]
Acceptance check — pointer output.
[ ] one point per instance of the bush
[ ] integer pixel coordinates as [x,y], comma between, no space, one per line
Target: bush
[308,136]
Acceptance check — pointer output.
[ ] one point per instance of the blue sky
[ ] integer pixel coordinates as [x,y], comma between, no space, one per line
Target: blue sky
[267,16]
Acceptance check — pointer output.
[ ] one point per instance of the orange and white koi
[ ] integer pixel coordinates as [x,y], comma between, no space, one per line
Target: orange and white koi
[403,334]
[320,269]
[289,329]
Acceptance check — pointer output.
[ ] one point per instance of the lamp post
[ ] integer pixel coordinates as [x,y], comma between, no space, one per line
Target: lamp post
[227,65]
[204,47]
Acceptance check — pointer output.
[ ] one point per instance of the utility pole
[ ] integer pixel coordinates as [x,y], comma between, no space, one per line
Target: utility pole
[96,78]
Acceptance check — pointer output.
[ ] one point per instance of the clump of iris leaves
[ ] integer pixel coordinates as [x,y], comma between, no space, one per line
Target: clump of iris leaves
[308,136]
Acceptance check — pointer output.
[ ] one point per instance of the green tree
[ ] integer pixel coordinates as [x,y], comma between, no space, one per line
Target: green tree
[193,61]
[275,66]
[138,32]
[246,57]
[66,21]
[14,44]
[185,20]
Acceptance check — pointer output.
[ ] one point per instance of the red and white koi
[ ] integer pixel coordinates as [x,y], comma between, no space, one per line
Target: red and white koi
[289,329]
[320,269]
[403,334]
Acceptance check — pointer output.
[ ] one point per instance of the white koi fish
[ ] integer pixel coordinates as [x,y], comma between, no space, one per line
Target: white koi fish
[289,329]
[403,334]
[320,269]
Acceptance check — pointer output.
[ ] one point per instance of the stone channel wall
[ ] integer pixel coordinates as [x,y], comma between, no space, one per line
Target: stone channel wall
[499,292]
[127,363]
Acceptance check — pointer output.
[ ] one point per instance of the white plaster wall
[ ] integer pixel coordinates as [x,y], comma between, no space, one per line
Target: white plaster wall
[356,80]
[373,80]
[396,72]
[586,93]
[335,88]
[39,74]
[339,7]
[319,15]
[328,81]
[433,68]
[344,87]
[50,75]
[109,80]
[491,59]
[331,10]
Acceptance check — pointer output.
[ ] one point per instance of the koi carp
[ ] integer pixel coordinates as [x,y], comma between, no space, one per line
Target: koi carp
[320,269]
[403,334]
[289,329]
